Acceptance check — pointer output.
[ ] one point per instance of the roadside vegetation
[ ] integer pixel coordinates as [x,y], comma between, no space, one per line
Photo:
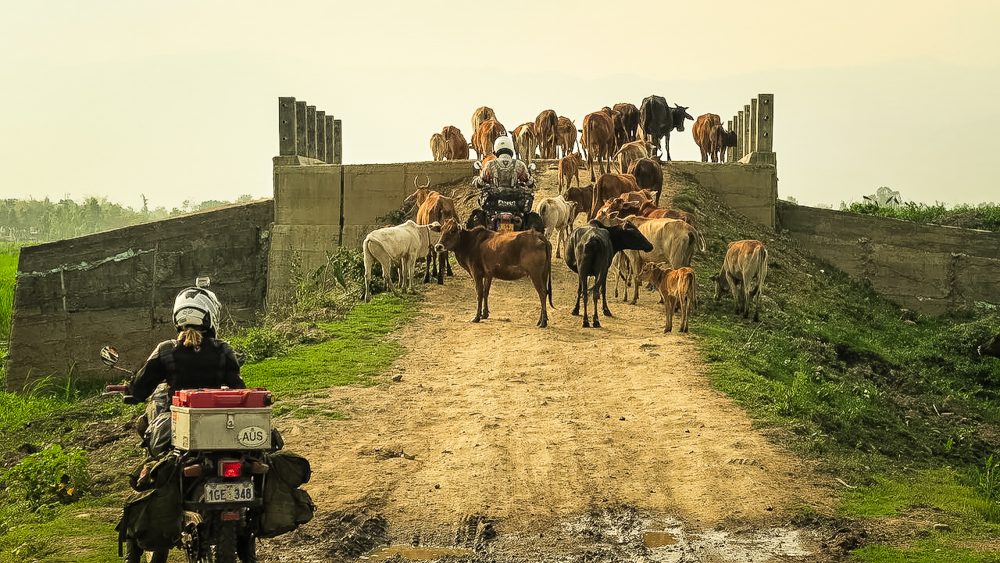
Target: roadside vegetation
[66,451]
[985,216]
[897,406]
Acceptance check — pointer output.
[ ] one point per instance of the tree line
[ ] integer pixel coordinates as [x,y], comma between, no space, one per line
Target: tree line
[34,220]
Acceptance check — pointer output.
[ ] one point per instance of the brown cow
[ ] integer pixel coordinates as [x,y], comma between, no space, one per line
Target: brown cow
[482,167]
[525,141]
[482,141]
[507,256]
[723,140]
[599,140]
[648,175]
[565,135]
[678,289]
[458,147]
[704,135]
[439,147]
[546,125]
[582,197]
[569,166]
[432,207]
[609,186]
[481,114]
[745,265]
[618,125]
[630,119]
[674,242]
[615,210]
[629,153]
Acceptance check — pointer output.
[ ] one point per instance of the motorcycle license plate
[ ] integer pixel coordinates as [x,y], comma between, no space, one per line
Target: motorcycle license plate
[506,227]
[241,491]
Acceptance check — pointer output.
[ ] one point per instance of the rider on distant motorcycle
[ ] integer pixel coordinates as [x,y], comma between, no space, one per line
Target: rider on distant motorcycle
[505,175]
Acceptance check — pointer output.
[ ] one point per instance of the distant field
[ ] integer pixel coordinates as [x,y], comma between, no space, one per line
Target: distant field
[8,267]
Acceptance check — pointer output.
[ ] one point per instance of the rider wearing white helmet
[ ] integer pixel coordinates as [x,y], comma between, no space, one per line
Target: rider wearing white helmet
[507,172]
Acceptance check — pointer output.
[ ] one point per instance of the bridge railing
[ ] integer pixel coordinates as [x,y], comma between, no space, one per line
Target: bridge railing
[307,132]
[754,127]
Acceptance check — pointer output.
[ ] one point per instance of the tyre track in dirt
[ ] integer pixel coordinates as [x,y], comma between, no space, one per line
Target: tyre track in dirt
[519,431]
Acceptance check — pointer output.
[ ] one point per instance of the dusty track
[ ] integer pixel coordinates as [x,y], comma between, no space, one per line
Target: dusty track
[529,444]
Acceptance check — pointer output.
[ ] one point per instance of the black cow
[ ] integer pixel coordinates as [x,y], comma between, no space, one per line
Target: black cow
[991,348]
[658,119]
[589,254]
[648,176]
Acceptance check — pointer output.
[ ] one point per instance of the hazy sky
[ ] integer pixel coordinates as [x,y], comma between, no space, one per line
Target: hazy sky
[178,100]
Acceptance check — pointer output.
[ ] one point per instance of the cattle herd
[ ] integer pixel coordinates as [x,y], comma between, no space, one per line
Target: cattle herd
[626,232]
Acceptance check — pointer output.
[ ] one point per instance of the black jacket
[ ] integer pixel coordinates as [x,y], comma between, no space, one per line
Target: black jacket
[212,366]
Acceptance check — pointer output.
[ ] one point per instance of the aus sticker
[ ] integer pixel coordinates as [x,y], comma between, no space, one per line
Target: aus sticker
[251,436]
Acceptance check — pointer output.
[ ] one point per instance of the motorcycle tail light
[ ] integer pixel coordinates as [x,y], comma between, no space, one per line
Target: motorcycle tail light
[230,468]
[192,471]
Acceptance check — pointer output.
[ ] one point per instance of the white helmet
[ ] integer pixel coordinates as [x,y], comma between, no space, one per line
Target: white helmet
[196,306]
[503,143]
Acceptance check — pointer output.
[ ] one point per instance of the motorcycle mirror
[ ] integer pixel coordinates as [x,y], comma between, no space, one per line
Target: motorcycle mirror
[202,281]
[109,355]
[477,165]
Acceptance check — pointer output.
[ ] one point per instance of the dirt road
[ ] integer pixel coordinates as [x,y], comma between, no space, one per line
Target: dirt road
[506,442]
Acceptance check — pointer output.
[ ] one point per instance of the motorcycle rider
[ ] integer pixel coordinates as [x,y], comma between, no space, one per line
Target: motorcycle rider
[506,173]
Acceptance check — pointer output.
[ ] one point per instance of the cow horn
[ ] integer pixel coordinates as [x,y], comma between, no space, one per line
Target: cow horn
[427,184]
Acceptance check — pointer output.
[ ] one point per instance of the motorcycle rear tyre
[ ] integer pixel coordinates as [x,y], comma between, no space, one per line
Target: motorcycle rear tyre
[133,554]
[225,549]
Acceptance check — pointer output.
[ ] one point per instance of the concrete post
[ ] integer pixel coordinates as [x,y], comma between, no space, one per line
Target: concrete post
[329,140]
[740,137]
[765,125]
[754,116]
[321,135]
[301,131]
[746,130]
[311,131]
[286,126]
[730,155]
[338,155]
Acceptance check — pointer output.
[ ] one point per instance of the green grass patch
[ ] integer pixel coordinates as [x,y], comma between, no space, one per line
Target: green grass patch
[81,532]
[985,216]
[8,272]
[356,350]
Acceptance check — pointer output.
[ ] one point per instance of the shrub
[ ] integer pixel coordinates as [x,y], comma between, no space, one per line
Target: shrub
[258,343]
[53,475]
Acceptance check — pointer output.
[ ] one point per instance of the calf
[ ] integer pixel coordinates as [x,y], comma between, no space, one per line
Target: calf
[678,289]
[402,245]
[508,256]
[557,215]
[570,166]
[433,207]
[745,265]
[991,348]
[589,254]
[582,197]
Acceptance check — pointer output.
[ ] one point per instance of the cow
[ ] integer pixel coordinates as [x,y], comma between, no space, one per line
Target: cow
[598,139]
[546,125]
[482,141]
[991,348]
[648,176]
[481,114]
[583,198]
[629,153]
[630,119]
[705,136]
[565,136]
[723,140]
[569,166]
[657,119]
[743,272]
[557,215]
[635,203]
[674,242]
[677,287]
[482,167]
[589,254]
[609,186]
[525,141]
[617,125]
[439,147]
[401,245]
[615,210]
[458,147]
[508,256]
[432,207]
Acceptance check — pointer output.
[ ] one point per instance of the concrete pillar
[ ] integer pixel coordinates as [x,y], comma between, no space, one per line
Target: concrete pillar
[329,140]
[754,116]
[338,155]
[311,131]
[301,131]
[740,137]
[286,126]
[730,155]
[765,124]
[321,135]
[746,130]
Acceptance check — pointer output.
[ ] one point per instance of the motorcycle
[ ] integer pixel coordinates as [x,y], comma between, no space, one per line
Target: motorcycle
[219,438]
[503,210]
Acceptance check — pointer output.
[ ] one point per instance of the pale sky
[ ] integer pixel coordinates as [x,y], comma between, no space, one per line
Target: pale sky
[178,100]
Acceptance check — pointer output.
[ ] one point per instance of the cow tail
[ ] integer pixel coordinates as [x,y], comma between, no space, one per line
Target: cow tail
[548,262]
[762,275]
[700,239]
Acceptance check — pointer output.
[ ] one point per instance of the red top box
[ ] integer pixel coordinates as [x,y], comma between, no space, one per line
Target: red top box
[222,398]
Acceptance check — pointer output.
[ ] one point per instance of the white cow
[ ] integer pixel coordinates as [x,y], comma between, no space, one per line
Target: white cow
[674,242]
[400,245]
[557,215]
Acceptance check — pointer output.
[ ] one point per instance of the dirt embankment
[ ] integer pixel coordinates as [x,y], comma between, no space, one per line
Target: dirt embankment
[505,442]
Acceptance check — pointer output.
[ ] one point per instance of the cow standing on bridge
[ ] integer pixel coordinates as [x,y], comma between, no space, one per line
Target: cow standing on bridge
[658,119]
